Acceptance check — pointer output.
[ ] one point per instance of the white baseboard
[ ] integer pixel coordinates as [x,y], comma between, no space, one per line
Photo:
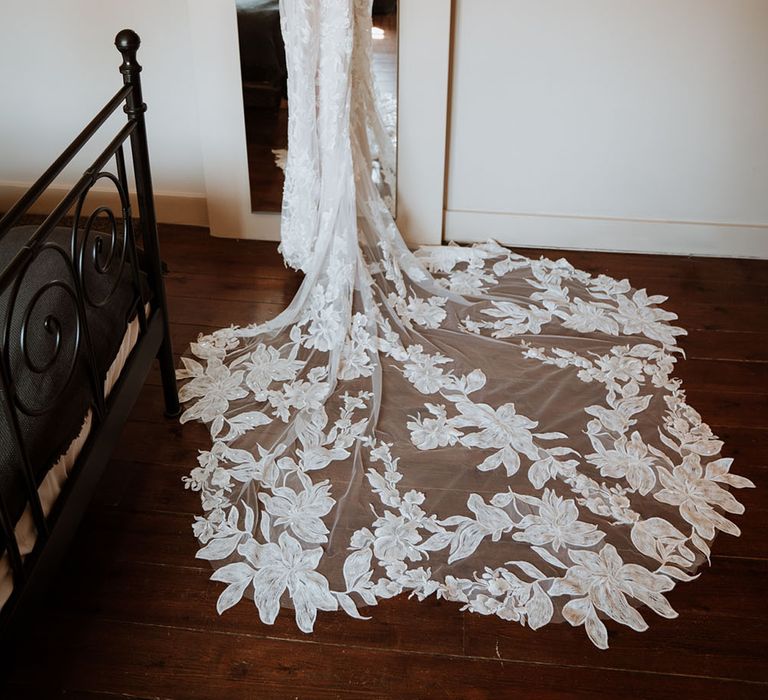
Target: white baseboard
[261,226]
[171,207]
[607,234]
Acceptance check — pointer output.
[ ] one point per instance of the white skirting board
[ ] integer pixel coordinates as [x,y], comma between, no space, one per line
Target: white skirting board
[190,209]
[260,226]
[609,234]
[525,230]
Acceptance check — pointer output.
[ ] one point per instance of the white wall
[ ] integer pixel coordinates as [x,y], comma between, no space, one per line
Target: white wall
[58,66]
[611,124]
[606,124]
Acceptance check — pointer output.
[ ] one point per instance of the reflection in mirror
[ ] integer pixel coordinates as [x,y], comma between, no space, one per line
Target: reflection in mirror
[262,65]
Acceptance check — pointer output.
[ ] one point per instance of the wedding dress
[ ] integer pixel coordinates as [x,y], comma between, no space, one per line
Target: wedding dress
[468,423]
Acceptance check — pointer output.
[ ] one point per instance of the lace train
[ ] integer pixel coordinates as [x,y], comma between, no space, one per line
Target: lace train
[468,423]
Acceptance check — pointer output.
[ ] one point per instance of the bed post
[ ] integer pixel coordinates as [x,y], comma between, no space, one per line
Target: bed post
[127,43]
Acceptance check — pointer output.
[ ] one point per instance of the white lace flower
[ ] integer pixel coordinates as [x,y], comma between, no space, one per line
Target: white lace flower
[515,319]
[551,296]
[428,313]
[285,566]
[659,539]
[684,424]
[483,604]
[356,354]
[500,427]
[395,537]
[304,395]
[500,582]
[557,523]
[280,404]
[444,258]
[455,589]
[423,370]
[687,487]
[212,500]
[627,459]
[326,329]
[603,285]
[619,366]
[552,272]
[265,365]
[515,600]
[639,316]
[489,520]
[606,580]
[420,581]
[619,417]
[214,388]
[429,433]
[208,460]
[301,511]
[215,345]
[472,326]
[205,528]
[587,317]
[471,280]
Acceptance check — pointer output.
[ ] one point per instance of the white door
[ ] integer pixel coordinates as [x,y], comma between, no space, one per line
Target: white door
[610,124]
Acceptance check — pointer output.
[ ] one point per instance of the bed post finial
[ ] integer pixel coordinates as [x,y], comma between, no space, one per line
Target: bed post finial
[127,42]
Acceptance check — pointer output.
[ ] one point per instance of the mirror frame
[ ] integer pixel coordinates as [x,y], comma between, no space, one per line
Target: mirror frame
[424,46]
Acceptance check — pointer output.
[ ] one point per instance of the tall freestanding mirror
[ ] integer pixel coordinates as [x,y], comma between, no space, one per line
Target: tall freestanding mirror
[264,83]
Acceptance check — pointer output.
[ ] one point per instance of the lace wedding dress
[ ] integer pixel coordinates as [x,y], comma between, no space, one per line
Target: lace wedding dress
[468,423]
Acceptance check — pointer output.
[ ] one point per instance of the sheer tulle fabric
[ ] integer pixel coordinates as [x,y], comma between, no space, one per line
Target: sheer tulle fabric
[468,423]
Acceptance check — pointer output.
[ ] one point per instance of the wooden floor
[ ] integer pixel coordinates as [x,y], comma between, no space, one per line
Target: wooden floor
[133,614]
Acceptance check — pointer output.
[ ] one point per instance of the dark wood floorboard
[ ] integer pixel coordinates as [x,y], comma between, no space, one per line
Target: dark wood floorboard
[132,615]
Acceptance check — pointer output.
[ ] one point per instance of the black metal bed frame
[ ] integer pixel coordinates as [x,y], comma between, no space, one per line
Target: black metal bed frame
[31,573]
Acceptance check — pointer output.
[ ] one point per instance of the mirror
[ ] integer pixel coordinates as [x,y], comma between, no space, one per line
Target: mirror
[263,74]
